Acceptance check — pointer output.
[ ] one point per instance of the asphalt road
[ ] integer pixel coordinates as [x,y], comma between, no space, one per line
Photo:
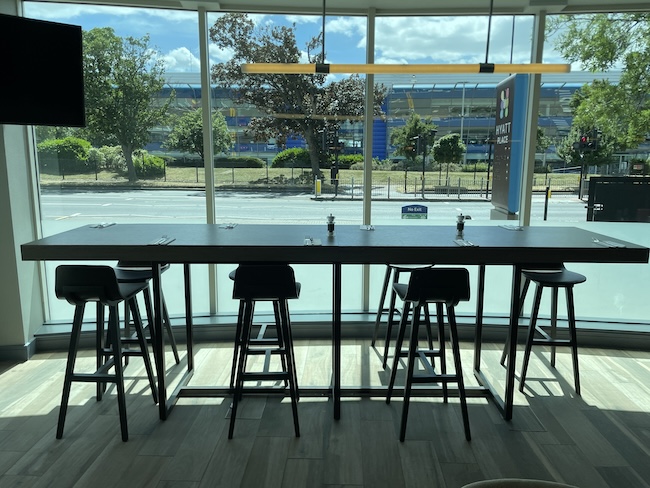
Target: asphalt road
[69,208]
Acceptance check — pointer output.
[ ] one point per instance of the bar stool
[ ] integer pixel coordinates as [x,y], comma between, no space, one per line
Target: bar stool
[80,284]
[533,268]
[264,282]
[394,271]
[442,286]
[563,279]
[136,272]
[261,339]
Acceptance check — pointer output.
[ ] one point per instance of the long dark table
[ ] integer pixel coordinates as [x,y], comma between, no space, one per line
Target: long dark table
[403,244]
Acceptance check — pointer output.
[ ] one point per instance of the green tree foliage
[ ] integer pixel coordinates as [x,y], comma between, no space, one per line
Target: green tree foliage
[187,133]
[568,151]
[69,154]
[293,104]
[610,41]
[292,158]
[449,149]
[121,78]
[147,165]
[405,139]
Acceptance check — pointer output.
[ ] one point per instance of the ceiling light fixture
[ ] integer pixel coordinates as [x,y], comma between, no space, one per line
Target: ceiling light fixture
[326,68]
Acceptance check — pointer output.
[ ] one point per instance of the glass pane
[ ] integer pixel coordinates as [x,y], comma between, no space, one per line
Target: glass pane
[84,173]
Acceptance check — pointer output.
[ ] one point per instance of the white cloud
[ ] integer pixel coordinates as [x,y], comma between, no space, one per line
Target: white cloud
[456,40]
[181,60]
[348,26]
[304,19]
[68,12]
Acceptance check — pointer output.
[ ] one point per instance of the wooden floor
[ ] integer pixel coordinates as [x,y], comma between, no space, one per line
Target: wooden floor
[601,439]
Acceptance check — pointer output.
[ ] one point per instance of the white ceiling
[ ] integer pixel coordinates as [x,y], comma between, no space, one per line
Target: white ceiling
[392,7]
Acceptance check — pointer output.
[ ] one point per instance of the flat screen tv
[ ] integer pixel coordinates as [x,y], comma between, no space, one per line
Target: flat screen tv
[42,73]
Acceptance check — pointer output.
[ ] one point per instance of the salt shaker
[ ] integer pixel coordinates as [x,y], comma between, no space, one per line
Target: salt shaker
[330,225]
[460,225]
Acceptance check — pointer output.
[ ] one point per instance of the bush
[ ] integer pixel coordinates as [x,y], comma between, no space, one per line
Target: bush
[96,158]
[69,154]
[348,160]
[113,158]
[239,162]
[148,166]
[292,158]
[376,165]
[219,162]
[480,167]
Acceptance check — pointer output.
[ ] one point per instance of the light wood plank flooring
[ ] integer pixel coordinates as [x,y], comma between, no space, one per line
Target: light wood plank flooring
[601,439]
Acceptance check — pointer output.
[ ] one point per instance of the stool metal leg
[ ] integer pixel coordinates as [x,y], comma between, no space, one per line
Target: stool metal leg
[139,330]
[573,336]
[455,345]
[281,339]
[69,368]
[398,347]
[166,321]
[441,347]
[524,291]
[554,297]
[247,322]
[238,331]
[290,362]
[391,314]
[114,334]
[412,357]
[531,335]
[382,300]
[99,347]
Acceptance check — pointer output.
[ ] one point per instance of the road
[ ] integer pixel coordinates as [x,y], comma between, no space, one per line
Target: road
[67,208]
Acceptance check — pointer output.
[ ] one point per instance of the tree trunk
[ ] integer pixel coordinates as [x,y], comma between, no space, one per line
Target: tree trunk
[130,167]
[314,154]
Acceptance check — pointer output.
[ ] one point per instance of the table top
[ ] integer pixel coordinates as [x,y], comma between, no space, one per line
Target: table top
[303,244]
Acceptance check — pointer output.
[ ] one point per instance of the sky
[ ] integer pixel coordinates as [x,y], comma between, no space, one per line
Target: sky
[398,40]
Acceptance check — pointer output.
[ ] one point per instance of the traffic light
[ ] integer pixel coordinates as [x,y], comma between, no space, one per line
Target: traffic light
[583,143]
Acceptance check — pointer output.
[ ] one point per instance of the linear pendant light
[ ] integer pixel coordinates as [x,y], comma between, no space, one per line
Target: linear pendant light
[375,69]
[326,68]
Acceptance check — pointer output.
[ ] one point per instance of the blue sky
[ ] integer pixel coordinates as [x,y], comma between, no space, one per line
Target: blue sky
[398,40]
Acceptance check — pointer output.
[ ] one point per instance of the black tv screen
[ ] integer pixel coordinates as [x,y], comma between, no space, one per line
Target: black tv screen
[42,73]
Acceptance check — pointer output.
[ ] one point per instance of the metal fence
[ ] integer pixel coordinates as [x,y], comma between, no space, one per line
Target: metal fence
[385,184]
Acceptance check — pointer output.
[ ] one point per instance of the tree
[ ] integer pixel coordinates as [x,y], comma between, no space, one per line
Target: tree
[408,139]
[294,104]
[601,42]
[187,134]
[569,151]
[449,149]
[121,78]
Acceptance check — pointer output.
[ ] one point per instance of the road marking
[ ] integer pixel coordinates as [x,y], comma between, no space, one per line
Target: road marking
[68,216]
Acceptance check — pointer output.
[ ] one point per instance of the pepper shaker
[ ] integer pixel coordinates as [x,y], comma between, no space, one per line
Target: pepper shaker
[330,225]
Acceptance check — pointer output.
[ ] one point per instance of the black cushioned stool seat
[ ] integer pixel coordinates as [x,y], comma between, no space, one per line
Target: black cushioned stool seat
[445,287]
[80,284]
[561,279]
[392,275]
[264,282]
[136,272]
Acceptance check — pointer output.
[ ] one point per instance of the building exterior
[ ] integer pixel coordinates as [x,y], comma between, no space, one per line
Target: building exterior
[465,107]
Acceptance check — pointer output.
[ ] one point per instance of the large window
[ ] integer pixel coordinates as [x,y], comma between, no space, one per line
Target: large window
[263,172]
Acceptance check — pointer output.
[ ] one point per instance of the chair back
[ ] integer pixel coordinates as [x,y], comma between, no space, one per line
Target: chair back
[87,283]
[264,282]
[446,285]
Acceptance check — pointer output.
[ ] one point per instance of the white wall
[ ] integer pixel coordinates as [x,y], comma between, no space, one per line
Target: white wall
[20,290]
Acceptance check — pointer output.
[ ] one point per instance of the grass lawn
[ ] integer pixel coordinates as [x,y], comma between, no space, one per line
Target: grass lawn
[288,177]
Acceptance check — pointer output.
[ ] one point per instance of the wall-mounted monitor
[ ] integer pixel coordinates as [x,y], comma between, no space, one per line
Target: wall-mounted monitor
[41,82]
